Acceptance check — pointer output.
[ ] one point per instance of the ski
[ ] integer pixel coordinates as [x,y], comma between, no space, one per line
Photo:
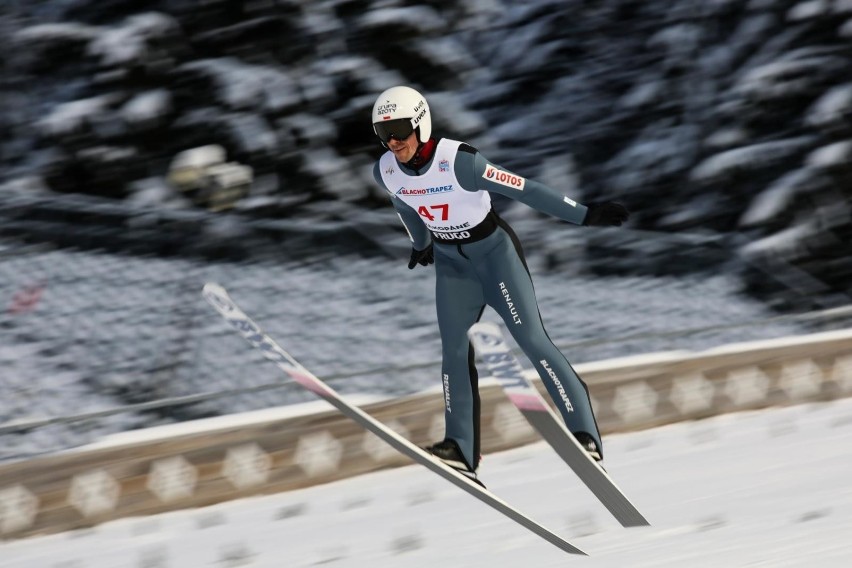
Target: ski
[218,297]
[491,347]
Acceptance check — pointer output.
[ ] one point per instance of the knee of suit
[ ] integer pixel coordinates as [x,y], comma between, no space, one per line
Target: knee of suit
[533,339]
[457,352]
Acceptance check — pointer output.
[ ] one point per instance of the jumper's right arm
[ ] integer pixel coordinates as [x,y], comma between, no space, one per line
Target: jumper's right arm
[414,226]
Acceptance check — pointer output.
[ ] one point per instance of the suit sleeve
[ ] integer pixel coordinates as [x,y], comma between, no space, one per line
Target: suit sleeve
[411,221]
[476,173]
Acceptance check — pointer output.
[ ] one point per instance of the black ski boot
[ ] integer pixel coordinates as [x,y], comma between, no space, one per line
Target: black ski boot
[588,443]
[448,451]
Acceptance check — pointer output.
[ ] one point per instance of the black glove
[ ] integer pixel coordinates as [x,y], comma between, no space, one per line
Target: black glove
[421,257]
[606,214]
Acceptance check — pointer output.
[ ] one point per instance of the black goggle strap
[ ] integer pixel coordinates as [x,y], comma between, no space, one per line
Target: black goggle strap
[400,129]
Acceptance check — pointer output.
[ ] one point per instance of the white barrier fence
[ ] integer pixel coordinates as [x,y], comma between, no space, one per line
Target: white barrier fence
[214,460]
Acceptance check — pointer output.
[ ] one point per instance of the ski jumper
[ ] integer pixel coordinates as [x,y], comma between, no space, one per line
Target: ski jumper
[479,262]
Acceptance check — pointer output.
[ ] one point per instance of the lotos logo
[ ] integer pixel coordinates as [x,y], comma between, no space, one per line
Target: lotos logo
[504,178]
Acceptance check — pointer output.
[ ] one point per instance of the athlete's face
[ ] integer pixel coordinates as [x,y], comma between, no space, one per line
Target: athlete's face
[404,150]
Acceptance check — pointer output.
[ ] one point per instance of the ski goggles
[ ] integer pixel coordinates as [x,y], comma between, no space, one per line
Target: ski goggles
[398,129]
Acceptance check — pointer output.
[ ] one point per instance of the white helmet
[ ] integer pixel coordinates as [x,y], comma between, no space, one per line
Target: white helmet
[398,112]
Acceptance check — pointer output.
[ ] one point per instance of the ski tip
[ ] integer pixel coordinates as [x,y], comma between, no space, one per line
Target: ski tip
[213,291]
[211,286]
[218,297]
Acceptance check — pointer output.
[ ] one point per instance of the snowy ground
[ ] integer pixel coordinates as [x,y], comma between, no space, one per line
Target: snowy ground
[769,488]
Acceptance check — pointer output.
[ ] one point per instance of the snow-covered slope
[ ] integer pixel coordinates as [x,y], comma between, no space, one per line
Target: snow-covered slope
[768,488]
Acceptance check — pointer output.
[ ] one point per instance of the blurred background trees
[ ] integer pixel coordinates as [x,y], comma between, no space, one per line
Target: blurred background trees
[727,121]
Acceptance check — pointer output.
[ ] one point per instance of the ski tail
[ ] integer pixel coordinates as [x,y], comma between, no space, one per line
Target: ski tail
[492,348]
[218,297]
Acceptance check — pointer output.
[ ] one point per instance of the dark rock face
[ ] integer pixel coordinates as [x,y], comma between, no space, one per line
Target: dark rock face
[725,124]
